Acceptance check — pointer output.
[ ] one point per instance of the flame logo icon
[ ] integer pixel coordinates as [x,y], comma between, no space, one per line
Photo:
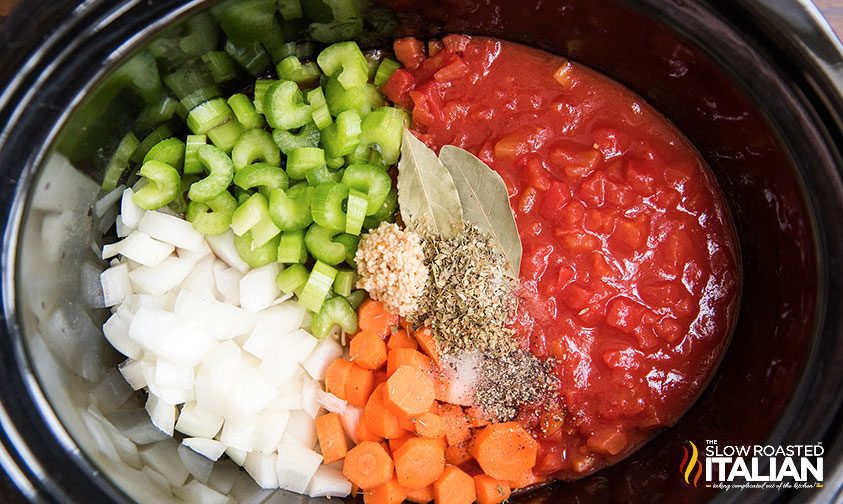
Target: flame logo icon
[691,464]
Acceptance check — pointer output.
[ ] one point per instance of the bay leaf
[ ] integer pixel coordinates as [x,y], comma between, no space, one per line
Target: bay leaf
[426,191]
[485,201]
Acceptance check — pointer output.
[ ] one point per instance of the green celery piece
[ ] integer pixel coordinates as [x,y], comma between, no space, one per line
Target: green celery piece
[244,111]
[334,311]
[374,182]
[303,74]
[344,282]
[251,56]
[255,145]
[290,209]
[192,164]
[317,287]
[284,106]
[384,128]
[342,137]
[208,115]
[350,242]
[361,99]
[253,255]
[253,216]
[292,279]
[327,205]
[213,217]
[119,161]
[287,141]
[169,151]
[386,212]
[158,134]
[291,248]
[385,70]
[320,244]
[303,159]
[225,135]
[345,61]
[221,173]
[261,175]
[358,203]
[162,187]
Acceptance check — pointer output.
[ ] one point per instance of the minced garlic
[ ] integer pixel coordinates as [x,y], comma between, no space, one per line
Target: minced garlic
[390,262]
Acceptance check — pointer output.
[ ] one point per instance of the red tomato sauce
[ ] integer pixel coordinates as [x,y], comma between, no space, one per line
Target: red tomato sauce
[630,276]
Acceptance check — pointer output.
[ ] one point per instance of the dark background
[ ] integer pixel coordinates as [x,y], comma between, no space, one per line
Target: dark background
[831,9]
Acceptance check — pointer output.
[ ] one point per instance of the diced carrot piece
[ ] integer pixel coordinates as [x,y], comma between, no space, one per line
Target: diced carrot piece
[396,443]
[476,418]
[373,317]
[401,339]
[409,391]
[363,433]
[368,465]
[407,423]
[360,384]
[389,493]
[379,417]
[442,386]
[409,357]
[331,437]
[409,51]
[427,344]
[420,495]
[336,377]
[454,487]
[367,350]
[505,451]
[489,490]
[527,479]
[429,425]
[458,454]
[455,423]
[419,462]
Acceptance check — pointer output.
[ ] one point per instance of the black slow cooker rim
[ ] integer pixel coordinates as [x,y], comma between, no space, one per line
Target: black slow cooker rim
[36,458]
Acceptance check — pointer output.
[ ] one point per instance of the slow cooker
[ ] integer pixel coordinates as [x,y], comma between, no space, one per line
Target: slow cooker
[756,85]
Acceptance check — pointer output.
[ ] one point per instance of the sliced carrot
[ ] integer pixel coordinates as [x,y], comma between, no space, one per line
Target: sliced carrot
[363,433]
[336,377]
[420,495]
[489,490]
[373,317]
[396,443]
[458,454]
[441,385]
[367,350]
[407,357]
[409,391]
[419,462]
[405,324]
[359,386]
[331,437]
[527,479]
[476,418]
[401,339]
[454,487]
[379,417]
[389,493]
[455,423]
[368,465]
[429,425]
[427,344]
[505,451]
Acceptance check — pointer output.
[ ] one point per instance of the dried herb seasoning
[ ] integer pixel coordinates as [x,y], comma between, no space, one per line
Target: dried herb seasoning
[507,382]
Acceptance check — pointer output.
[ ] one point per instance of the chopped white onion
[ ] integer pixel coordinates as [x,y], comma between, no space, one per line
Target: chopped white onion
[271,427]
[121,228]
[196,492]
[296,466]
[228,282]
[326,352]
[163,457]
[116,284]
[223,247]
[309,397]
[116,331]
[129,211]
[197,465]
[258,289]
[328,482]
[350,420]
[208,448]
[262,467]
[108,201]
[237,456]
[331,402]
[151,327]
[163,415]
[219,320]
[301,428]
[241,435]
[198,422]
[132,371]
[157,280]
[173,230]
[141,248]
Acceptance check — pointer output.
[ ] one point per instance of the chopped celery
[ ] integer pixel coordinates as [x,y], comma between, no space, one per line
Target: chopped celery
[213,217]
[221,66]
[387,67]
[208,115]
[246,21]
[261,175]
[255,145]
[342,137]
[199,97]
[290,209]
[320,244]
[303,74]
[346,62]
[119,161]
[221,173]
[320,175]
[170,151]
[374,182]
[357,206]
[384,128]
[251,56]
[308,136]
[302,159]
[157,113]
[162,187]
[292,279]
[284,106]
[261,86]
[334,311]
[361,99]
[192,164]
[327,205]
[317,287]
[190,78]
[329,33]
[386,212]
[356,298]
[255,256]
[350,243]
[344,282]
[244,111]
[319,108]
[225,135]
[160,133]
[253,216]
[335,163]
[291,248]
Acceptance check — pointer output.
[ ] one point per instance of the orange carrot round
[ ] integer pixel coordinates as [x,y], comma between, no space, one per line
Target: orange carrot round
[379,417]
[419,462]
[407,357]
[429,425]
[388,493]
[505,451]
[336,377]
[359,386]
[367,350]
[373,317]
[368,465]
[401,339]
[489,490]
[409,391]
[454,487]
[420,495]
[331,437]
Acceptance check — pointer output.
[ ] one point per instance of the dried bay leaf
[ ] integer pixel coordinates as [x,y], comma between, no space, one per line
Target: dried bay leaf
[426,191]
[485,201]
